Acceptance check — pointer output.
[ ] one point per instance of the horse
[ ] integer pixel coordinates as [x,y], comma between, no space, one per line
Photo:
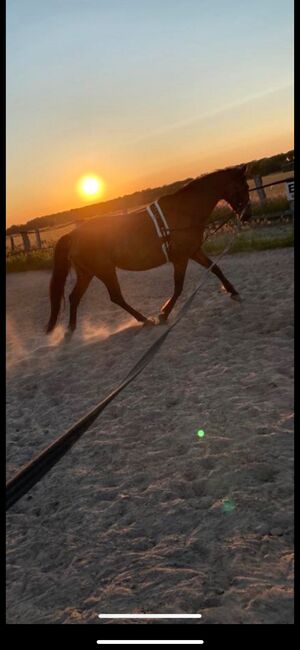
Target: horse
[169,230]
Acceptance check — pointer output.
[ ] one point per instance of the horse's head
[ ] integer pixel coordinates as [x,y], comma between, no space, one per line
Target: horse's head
[236,192]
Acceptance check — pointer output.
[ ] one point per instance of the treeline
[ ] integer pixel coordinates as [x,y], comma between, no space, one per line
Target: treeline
[262,167]
[265,166]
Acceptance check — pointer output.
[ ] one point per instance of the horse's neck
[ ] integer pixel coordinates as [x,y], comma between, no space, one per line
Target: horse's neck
[198,204]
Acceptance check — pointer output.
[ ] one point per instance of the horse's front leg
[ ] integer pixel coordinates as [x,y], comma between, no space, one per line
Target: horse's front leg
[179,275]
[202,259]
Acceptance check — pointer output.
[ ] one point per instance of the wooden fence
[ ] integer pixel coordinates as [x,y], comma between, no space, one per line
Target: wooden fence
[29,240]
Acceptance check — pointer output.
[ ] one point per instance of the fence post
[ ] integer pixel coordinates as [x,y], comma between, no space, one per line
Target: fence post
[289,188]
[38,238]
[261,192]
[26,241]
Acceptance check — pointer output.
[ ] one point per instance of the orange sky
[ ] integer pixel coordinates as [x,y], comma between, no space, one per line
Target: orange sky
[158,163]
[136,115]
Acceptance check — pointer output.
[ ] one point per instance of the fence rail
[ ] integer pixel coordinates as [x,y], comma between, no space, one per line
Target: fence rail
[33,239]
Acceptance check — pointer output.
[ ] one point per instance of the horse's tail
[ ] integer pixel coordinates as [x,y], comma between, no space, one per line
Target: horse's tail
[59,275]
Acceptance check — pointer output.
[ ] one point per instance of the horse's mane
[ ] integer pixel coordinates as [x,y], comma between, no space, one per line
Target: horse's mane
[195,182]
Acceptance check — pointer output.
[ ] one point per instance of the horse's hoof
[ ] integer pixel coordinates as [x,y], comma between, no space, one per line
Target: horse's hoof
[68,335]
[162,319]
[236,297]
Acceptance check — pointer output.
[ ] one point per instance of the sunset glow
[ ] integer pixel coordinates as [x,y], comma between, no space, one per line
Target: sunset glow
[90,187]
[155,112]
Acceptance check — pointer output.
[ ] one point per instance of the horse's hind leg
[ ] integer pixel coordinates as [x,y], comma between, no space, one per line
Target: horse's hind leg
[82,283]
[202,259]
[179,275]
[111,282]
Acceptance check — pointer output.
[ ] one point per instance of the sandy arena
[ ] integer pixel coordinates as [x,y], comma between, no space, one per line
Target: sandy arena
[142,515]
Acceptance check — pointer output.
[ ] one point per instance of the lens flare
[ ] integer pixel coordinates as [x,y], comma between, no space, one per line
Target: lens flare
[227,506]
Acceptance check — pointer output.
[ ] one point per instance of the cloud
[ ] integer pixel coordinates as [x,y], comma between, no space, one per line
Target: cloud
[212,113]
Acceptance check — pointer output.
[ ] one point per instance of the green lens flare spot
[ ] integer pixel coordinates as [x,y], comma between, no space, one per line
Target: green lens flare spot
[200,433]
[227,506]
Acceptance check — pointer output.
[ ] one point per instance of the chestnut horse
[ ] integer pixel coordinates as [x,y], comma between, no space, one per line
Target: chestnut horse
[132,242]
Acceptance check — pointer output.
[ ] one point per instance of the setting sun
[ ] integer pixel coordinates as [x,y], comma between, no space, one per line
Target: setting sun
[90,186]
